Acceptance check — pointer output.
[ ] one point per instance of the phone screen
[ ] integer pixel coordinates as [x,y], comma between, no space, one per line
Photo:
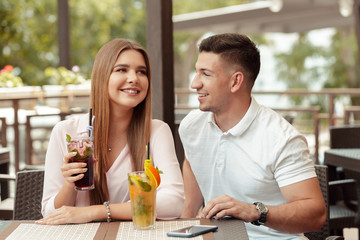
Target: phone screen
[192,231]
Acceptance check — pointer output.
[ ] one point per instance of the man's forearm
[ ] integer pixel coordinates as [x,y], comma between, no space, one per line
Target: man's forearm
[190,210]
[296,217]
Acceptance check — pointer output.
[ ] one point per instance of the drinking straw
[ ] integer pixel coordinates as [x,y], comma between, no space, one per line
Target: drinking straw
[148,150]
[90,128]
[90,116]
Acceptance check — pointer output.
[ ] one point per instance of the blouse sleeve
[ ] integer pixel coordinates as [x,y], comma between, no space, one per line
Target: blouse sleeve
[53,180]
[170,193]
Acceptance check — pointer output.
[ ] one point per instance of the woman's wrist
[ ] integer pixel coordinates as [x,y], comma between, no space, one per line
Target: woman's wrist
[69,185]
[108,214]
[66,196]
[97,212]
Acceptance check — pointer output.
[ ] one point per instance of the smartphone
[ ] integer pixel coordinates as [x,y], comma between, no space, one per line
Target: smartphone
[192,231]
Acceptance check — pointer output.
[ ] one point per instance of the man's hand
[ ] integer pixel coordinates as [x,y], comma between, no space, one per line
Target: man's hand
[227,206]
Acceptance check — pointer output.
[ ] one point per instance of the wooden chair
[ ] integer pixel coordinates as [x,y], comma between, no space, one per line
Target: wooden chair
[28,195]
[38,130]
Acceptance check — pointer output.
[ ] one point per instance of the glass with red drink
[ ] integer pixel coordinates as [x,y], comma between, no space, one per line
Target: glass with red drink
[84,148]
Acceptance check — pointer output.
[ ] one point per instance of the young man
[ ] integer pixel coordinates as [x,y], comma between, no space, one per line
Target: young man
[243,159]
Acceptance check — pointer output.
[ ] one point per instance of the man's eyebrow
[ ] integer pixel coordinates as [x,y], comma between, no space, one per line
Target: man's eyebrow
[204,69]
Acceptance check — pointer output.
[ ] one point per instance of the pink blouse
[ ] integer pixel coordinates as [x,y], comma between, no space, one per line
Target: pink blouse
[170,193]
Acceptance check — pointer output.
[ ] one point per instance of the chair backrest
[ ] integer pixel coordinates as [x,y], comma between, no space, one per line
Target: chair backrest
[28,195]
[345,137]
[322,174]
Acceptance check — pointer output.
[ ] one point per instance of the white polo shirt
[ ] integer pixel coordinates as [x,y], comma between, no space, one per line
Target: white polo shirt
[250,162]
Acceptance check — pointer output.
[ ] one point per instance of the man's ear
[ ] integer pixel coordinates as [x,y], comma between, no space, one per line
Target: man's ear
[237,81]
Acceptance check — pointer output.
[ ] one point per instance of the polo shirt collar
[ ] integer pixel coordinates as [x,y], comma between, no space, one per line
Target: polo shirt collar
[244,123]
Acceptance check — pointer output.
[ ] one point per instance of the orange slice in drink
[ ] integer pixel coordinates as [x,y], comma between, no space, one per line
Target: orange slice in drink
[152,173]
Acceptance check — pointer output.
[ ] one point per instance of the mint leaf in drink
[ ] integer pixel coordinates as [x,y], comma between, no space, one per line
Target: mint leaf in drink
[159,171]
[130,181]
[88,151]
[142,208]
[68,138]
[77,156]
[144,185]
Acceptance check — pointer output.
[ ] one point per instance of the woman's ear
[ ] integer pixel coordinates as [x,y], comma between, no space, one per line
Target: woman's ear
[237,81]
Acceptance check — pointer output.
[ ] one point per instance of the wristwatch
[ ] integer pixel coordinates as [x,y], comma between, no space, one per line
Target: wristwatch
[263,213]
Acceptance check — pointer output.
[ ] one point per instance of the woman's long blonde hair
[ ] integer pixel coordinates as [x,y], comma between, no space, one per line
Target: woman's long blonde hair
[138,133]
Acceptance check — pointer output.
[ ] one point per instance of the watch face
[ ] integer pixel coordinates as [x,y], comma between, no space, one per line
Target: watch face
[261,208]
[263,213]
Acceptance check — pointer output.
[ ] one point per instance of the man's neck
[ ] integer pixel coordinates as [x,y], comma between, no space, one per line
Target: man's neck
[227,120]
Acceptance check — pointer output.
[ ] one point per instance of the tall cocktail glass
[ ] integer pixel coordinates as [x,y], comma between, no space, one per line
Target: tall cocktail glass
[84,147]
[143,199]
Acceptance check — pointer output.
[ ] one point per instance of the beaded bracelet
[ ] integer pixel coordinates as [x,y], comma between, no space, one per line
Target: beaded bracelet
[107,211]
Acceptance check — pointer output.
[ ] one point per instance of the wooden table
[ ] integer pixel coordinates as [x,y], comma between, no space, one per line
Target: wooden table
[228,229]
[347,158]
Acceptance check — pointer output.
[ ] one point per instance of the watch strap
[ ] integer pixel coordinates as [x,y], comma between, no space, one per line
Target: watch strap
[262,218]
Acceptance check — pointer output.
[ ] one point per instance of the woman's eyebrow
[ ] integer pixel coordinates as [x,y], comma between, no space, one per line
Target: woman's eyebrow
[126,65]
[120,65]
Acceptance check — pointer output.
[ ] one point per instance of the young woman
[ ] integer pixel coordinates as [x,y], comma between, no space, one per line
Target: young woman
[121,104]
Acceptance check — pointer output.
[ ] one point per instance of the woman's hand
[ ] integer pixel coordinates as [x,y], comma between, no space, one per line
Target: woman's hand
[67,214]
[72,171]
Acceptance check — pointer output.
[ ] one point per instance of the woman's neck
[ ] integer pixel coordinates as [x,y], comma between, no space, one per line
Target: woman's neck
[119,123]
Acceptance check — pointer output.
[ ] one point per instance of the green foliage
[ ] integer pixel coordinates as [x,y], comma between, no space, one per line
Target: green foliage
[343,70]
[28,40]
[291,66]
[8,77]
[63,76]
[183,6]
[29,33]
[339,68]
[94,23]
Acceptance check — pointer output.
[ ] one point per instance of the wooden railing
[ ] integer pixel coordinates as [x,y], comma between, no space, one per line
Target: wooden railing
[330,93]
[15,99]
[69,98]
[317,115]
